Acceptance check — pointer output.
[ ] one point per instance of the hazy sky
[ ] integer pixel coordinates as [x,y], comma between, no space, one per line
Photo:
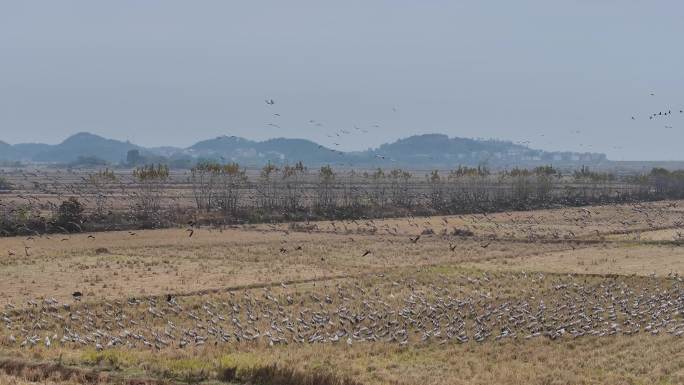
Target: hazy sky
[170,72]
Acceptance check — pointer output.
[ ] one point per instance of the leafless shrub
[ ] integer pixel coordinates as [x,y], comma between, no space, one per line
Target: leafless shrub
[42,372]
[303,227]
[462,232]
[427,231]
[276,375]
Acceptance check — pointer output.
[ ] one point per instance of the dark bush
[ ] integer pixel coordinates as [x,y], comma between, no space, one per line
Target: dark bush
[4,184]
[70,215]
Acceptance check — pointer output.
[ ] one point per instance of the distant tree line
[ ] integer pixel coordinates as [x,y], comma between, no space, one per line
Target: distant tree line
[225,193]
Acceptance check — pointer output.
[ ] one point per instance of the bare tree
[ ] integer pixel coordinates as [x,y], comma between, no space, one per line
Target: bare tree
[292,177]
[325,198]
[147,198]
[399,187]
[100,186]
[378,188]
[267,188]
[352,192]
[544,182]
[230,185]
[436,193]
[203,179]
[522,185]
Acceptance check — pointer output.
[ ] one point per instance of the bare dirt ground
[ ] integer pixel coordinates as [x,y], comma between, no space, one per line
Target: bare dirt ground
[563,296]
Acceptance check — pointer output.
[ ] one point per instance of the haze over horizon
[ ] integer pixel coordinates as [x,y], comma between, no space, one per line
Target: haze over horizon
[194,142]
[562,76]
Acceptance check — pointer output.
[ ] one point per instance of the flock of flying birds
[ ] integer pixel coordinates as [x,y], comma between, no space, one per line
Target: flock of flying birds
[661,114]
[339,133]
[332,135]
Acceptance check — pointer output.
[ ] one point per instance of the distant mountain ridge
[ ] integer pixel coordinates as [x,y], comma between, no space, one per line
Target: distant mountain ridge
[428,150]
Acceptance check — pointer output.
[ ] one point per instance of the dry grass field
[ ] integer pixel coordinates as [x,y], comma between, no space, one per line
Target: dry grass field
[565,296]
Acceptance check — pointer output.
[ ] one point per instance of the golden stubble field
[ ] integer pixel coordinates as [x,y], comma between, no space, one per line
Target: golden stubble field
[588,295]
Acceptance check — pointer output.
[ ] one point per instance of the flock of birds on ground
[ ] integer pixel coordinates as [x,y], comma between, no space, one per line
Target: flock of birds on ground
[402,311]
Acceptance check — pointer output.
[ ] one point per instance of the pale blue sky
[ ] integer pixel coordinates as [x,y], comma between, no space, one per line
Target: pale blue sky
[171,72]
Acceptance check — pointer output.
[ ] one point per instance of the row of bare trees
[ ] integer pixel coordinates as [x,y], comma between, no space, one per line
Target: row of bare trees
[296,189]
[151,197]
